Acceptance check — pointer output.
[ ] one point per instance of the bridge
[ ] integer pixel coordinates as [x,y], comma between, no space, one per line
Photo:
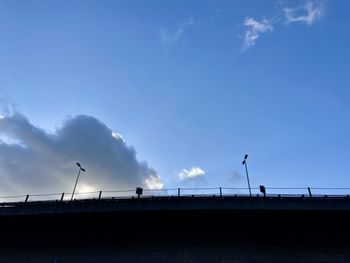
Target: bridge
[214,227]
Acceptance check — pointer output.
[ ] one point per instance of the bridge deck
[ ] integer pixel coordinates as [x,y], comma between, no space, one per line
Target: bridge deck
[178,229]
[171,203]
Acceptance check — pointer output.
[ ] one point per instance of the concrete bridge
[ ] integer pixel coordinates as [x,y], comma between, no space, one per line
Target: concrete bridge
[178,229]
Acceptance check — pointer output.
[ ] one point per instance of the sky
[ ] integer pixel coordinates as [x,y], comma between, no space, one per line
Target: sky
[167,94]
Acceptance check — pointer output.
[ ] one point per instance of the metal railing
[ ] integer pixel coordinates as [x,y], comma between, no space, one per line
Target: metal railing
[313,192]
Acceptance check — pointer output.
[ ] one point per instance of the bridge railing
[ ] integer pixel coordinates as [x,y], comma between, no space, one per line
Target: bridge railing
[182,192]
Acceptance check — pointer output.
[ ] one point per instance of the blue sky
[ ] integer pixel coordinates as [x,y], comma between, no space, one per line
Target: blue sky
[192,84]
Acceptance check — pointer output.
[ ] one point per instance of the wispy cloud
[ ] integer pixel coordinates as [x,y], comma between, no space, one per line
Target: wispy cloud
[308,13]
[255,28]
[169,37]
[194,172]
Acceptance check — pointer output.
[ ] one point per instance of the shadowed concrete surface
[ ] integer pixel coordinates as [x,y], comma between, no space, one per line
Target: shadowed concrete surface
[186,229]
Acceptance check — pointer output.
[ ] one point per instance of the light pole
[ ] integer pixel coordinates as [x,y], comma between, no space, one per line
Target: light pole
[246,171]
[76,182]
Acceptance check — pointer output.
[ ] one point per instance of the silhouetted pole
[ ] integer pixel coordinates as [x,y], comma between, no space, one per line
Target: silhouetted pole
[246,171]
[76,182]
[309,189]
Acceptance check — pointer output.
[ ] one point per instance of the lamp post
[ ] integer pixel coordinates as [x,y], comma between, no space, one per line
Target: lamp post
[76,182]
[246,171]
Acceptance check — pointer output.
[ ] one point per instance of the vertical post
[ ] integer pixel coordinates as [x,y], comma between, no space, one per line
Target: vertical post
[220,192]
[246,171]
[76,182]
[309,189]
[62,196]
[26,199]
[99,195]
[178,192]
[75,185]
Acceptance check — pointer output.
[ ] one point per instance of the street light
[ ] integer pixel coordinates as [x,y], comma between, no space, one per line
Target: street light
[76,182]
[246,171]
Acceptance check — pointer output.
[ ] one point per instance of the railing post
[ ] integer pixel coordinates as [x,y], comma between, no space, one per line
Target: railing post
[26,199]
[99,196]
[62,196]
[220,192]
[178,192]
[309,189]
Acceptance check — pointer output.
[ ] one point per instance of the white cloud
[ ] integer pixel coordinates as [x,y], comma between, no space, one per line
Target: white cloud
[308,13]
[118,136]
[194,172]
[255,28]
[39,161]
[85,188]
[154,182]
[168,37]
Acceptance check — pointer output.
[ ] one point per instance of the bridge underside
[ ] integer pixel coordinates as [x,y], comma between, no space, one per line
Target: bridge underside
[178,235]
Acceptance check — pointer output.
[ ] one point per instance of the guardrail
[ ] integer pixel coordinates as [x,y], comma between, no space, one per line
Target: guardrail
[184,192]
